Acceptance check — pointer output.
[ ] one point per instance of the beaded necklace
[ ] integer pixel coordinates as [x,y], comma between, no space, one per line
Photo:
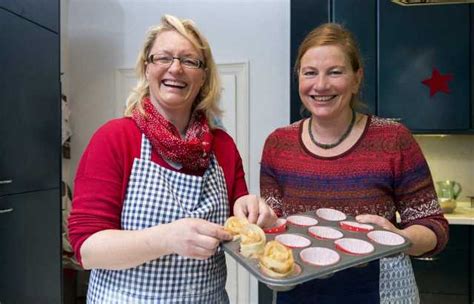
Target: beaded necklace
[340,140]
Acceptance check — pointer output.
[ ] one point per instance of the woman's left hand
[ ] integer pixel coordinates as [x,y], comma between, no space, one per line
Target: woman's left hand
[422,238]
[378,220]
[255,210]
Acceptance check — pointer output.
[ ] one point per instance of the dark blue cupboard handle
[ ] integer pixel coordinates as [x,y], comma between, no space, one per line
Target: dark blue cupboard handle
[6,181]
[428,259]
[8,210]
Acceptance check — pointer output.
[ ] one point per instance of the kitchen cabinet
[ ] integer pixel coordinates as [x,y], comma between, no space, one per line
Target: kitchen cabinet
[403,47]
[29,106]
[344,13]
[472,265]
[412,42]
[30,252]
[305,15]
[446,278]
[41,12]
[30,154]
[472,69]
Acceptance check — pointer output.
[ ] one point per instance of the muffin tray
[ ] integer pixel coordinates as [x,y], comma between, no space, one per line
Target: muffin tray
[307,271]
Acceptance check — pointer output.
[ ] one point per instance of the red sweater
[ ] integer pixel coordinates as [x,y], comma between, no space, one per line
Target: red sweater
[103,173]
[384,172]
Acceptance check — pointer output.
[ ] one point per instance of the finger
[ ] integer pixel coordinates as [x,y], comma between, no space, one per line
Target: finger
[267,216]
[368,218]
[214,231]
[253,210]
[239,210]
[206,242]
[200,253]
[375,219]
[223,235]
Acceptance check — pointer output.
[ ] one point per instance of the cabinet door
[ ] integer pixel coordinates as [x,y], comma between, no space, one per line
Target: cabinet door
[447,273]
[305,16]
[29,106]
[472,86]
[43,12]
[413,41]
[30,255]
[471,254]
[359,16]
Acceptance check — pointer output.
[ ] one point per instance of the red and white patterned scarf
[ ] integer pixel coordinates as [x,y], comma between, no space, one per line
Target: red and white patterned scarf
[192,152]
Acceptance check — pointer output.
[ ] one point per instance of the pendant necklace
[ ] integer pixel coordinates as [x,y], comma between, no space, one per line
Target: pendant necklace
[340,140]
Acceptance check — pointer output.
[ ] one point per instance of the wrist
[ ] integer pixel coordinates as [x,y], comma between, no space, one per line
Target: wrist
[157,240]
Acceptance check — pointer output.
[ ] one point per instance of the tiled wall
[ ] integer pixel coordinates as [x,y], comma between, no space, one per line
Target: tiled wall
[451,157]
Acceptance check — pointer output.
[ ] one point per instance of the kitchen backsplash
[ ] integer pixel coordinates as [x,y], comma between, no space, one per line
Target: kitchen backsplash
[450,157]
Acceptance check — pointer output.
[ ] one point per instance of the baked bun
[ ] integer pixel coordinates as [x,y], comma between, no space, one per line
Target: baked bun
[234,225]
[277,260]
[252,241]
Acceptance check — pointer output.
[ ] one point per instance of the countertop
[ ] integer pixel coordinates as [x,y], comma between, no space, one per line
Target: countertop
[462,215]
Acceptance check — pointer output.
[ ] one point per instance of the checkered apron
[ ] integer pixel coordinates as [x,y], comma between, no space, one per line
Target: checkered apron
[156,195]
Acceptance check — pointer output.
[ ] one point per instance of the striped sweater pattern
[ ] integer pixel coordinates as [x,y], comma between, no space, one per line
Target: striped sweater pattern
[383,173]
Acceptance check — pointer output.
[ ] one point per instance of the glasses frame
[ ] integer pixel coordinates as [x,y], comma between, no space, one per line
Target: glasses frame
[151,59]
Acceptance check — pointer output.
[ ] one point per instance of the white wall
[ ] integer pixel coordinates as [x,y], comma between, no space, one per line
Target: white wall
[104,35]
[451,157]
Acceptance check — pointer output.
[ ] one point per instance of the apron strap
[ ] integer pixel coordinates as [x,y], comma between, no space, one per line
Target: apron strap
[145,148]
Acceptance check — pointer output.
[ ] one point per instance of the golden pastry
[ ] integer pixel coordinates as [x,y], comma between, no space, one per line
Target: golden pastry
[234,225]
[252,241]
[277,260]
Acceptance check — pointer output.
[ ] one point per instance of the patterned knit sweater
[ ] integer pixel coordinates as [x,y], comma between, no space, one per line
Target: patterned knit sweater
[383,173]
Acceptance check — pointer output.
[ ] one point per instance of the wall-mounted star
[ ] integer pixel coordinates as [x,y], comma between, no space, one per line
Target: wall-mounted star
[438,82]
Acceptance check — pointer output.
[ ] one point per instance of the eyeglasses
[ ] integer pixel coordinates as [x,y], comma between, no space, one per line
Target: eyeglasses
[187,62]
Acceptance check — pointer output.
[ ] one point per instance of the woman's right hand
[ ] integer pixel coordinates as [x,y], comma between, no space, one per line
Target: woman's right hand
[194,238]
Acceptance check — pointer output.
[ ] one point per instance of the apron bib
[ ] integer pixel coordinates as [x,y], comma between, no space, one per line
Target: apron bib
[156,195]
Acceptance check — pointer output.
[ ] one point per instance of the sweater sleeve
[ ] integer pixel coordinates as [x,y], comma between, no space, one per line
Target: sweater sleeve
[269,188]
[415,194]
[99,185]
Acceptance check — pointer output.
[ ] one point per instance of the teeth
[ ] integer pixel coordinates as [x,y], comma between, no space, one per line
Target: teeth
[174,83]
[322,98]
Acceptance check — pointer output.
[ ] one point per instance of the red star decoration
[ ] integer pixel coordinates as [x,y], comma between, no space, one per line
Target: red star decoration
[438,82]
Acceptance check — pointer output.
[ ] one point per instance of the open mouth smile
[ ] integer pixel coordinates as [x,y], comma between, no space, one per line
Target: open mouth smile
[322,98]
[174,84]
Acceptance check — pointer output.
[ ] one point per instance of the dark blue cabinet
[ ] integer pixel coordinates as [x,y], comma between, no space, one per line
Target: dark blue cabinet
[402,47]
[359,16]
[29,106]
[305,15]
[42,12]
[413,41]
[30,158]
[446,278]
[30,252]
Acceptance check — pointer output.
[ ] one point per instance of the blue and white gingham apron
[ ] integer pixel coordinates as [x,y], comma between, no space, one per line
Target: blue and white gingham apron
[156,195]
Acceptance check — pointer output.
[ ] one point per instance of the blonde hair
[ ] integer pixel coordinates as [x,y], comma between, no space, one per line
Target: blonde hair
[208,97]
[333,34]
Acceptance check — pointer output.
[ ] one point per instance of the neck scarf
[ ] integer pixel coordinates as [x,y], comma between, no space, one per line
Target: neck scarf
[192,151]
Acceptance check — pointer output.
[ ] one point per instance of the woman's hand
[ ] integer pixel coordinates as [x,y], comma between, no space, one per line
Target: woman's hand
[195,238]
[422,238]
[255,210]
[378,220]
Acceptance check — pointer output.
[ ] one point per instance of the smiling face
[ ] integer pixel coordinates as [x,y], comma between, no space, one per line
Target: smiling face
[174,88]
[327,81]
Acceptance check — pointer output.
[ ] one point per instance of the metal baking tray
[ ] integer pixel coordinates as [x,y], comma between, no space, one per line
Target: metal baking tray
[309,271]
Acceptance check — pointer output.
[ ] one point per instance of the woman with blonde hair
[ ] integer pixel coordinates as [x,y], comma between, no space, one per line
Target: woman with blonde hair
[154,188]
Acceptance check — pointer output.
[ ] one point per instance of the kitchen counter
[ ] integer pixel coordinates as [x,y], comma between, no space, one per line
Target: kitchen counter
[462,215]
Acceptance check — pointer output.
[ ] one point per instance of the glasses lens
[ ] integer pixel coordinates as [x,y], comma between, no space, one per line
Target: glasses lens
[190,62]
[187,62]
[165,60]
